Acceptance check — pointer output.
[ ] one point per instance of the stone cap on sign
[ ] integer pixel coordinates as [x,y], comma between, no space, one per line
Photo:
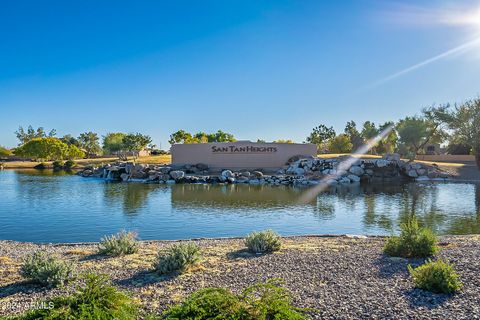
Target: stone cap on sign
[240,154]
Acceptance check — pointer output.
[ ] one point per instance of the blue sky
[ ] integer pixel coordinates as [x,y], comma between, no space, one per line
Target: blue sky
[257,69]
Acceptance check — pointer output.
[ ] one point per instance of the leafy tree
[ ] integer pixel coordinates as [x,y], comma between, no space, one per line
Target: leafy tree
[340,144]
[181,136]
[136,142]
[113,143]
[283,141]
[465,122]
[45,149]
[261,141]
[4,152]
[25,136]
[353,134]
[321,135]
[389,143]
[418,131]
[89,142]
[221,136]
[70,140]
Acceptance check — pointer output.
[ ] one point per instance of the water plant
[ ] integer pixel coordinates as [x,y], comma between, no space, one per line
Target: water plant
[177,258]
[263,242]
[96,299]
[436,276]
[413,241]
[119,244]
[261,302]
[46,269]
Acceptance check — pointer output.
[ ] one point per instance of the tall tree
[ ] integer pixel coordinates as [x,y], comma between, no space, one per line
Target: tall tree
[369,131]
[89,141]
[417,132]
[320,136]
[465,122]
[26,135]
[70,140]
[136,142]
[389,143]
[353,134]
[181,136]
[340,144]
[113,143]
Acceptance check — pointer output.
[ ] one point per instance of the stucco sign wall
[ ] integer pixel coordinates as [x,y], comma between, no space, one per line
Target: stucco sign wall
[248,155]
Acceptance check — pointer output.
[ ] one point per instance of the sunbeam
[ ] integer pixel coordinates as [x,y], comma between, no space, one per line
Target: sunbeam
[343,167]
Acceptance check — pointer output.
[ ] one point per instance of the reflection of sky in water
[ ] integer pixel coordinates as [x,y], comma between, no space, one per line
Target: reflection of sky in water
[62,208]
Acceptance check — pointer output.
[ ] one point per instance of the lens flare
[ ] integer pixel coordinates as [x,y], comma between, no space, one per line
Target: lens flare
[343,167]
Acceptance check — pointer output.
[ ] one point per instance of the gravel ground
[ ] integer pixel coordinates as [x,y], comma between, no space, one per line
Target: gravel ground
[341,277]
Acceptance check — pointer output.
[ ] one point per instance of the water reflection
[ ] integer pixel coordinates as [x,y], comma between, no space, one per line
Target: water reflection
[55,206]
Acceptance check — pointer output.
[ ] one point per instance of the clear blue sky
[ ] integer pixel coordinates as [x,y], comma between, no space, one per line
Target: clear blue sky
[257,69]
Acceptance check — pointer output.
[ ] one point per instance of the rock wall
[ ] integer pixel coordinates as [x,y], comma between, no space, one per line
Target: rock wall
[303,171]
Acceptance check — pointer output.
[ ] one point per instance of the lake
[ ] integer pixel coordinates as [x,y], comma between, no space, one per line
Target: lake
[44,206]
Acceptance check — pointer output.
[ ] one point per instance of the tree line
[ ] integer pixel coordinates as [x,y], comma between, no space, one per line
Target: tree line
[458,125]
[37,144]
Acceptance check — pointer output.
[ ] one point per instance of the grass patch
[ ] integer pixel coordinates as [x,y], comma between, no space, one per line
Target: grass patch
[119,244]
[46,269]
[261,302]
[436,276]
[177,258]
[263,242]
[96,299]
[412,242]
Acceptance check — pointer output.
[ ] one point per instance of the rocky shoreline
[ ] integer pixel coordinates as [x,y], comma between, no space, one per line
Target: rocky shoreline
[298,171]
[342,277]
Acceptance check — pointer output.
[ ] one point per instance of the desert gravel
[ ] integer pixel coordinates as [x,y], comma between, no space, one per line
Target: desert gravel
[342,277]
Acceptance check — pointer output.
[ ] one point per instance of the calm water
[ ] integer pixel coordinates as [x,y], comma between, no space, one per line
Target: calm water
[57,207]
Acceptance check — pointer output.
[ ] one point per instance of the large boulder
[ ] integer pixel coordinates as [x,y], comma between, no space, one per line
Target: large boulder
[353,178]
[177,174]
[412,173]
[356,170]
[227,174]
[257,174]
[201,166]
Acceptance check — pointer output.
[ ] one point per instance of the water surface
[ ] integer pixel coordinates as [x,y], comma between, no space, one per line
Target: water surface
[43,206]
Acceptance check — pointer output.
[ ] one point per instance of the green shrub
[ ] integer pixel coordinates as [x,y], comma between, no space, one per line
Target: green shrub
[412,242]
[263,242]
[96,299]
[40,166]
[436,276]
[177,258]
[69,164]
[119,244]
[46,269]
[57,165]
[259,302]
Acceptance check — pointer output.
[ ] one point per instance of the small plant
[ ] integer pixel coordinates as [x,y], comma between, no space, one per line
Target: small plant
[412,242]
[436,276]
[260,302]
[119,244]
[46,269]
[177,258]
[263,242]
[69,164]
[96,299]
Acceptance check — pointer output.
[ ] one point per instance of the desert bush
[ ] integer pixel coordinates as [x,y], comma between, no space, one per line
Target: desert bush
[436,276]
[46,269]
[96,299]
[260,302]
[263,242]
[40,166]
[69,164]
[119,244]
[58,165]
[412,242]
[177,258]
